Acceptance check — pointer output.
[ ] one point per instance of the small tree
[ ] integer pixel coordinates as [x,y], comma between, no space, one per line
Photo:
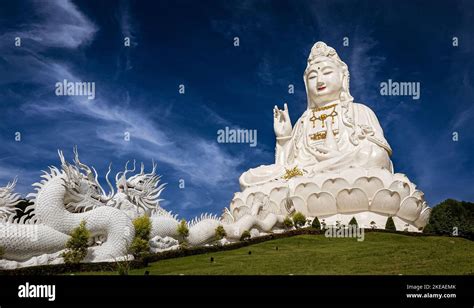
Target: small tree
[245,235]
[220,232]
[390,225]
[316,224]
[287,222]
[140,246]
[299,219]
[183,229]
[77,245]
[142,227]
[353,222]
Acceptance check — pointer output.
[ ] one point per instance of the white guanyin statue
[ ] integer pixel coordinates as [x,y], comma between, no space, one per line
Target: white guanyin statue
[334,163]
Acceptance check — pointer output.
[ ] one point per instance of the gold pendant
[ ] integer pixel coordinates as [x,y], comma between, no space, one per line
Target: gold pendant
[323,116]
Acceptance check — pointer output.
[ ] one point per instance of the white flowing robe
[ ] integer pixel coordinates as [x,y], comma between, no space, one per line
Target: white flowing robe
[360,141]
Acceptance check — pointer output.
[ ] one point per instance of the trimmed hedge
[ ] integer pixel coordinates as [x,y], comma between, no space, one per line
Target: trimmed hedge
[316,224]
[353,222]
[390,225]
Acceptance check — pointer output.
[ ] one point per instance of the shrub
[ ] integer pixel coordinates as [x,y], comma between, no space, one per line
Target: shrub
[288,223]
[245,235]
[183,229]
[140,247]
[220,233]
[451,214]
[183,245]
[299,220]
[316,224]
[77,245]
[142,227]
[353,222]
[390,225]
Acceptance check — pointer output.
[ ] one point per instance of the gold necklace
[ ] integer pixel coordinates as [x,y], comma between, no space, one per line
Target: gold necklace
[323,116]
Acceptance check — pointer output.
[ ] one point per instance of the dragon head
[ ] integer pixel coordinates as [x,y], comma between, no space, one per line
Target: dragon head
[83,190]
[141,189]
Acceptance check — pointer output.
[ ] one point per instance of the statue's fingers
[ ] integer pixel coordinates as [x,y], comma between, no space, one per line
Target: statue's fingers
[283,115]
[275,111]
[286,110]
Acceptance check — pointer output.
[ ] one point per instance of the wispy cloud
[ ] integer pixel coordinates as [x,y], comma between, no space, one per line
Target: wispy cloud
[98,126]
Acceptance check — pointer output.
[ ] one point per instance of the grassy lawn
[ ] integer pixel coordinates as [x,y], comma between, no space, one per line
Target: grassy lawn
[379,253]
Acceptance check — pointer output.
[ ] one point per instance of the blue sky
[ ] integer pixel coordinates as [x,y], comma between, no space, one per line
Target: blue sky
[191,43]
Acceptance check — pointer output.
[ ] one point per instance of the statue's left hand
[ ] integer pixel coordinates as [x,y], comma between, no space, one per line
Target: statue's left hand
[324,153]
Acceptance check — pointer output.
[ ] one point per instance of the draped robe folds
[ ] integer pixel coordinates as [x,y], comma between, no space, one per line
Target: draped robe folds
[360,141]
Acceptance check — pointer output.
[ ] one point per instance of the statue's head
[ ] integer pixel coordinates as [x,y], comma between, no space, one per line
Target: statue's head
[326,77]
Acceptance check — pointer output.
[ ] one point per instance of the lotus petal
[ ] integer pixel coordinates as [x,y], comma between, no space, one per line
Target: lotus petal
[333,186]
[370,185]
[381,173]
[299,205]
[410,209]
[424,217]
[352,200]
[320,204]
[251,198]
[236,203]
[386,201]
[402,188]
[303,190]
[278,193]
[240,211]
[400,177]
[418,194]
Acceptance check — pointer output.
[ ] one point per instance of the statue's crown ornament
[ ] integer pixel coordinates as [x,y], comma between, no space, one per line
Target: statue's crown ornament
[320,49]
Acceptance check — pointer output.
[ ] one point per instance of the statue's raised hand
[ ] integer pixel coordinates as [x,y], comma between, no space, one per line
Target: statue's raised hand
[281,122]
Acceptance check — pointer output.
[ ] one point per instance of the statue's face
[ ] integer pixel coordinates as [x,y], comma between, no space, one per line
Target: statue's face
[324,81]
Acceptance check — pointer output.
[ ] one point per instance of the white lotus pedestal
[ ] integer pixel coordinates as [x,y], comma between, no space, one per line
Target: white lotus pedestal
[369,195]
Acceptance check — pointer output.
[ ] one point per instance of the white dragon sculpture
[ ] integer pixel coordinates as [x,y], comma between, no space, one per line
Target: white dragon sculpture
[72,194]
